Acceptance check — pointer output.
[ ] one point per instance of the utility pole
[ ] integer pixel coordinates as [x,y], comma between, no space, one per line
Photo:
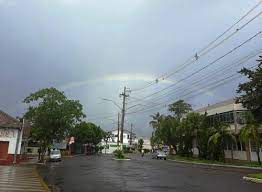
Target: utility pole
[131,135]
[118,127]
[124,95]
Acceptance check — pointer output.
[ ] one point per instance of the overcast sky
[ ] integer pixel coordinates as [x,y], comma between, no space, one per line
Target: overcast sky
[91,49]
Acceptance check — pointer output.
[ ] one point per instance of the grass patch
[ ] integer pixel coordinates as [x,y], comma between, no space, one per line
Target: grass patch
[255,175]
[197,160]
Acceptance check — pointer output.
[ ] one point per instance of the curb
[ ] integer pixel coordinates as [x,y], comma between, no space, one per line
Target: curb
[217,165]
[254,180]
[41,181]
[121,159]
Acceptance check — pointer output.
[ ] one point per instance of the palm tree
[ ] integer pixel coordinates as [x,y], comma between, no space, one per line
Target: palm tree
[155,123]
[251,131]
[156,120]
[221,134]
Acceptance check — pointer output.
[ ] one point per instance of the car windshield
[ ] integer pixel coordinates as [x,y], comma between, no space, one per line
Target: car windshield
[55,152]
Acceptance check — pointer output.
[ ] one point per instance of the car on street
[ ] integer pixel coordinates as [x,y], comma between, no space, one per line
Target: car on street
[55,155]
[159,155]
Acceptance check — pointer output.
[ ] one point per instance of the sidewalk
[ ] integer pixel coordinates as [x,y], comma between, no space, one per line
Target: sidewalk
[19,178]
[218,165]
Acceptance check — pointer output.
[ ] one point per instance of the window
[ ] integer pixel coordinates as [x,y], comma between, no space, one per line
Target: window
[240,117]
[29,150]
[231,117]
[226,117]
[253,146]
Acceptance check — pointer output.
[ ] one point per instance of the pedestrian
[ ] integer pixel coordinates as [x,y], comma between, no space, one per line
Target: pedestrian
[39,153]
[143,152]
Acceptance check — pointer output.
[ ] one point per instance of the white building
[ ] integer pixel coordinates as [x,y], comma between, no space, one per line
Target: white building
[231,113]
[129,139]
[147,144]
[10,139]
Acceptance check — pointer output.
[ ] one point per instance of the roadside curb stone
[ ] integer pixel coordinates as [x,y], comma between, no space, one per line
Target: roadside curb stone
[121,159]
[255,180]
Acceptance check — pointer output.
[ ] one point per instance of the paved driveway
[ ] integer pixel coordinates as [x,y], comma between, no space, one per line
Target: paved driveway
[19,179]
[101,173]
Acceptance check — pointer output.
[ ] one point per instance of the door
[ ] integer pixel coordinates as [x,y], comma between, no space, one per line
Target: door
[4,149]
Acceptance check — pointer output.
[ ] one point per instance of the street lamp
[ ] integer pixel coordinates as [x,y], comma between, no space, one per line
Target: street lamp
[112,102]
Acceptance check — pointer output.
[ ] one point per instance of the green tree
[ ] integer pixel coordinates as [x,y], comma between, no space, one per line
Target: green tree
[179,108]
[251,131]
[203,134]
[186,136]
[166,133]
[88,133]
[156,120]
[140,144]
[217,141]
[52,116]
[251,91]
[155,123]
[195,130]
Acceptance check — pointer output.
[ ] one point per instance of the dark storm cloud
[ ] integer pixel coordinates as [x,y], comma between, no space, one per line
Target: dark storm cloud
[92,49]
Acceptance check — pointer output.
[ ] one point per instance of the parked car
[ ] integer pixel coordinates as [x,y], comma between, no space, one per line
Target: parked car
[55,155]
[159,155]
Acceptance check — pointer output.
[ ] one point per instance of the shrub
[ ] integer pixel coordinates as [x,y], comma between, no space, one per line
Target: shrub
[119,154]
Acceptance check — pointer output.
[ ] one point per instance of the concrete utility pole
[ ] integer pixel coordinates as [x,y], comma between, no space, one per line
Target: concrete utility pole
[118,127]
[125,95]
[131,135]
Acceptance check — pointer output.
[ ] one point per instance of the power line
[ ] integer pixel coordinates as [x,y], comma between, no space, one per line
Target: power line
[211,85]
[215,72]
[206,49]
[207,78]
[206,66]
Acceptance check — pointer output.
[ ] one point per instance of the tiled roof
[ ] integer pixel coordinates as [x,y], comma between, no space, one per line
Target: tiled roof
[7,121]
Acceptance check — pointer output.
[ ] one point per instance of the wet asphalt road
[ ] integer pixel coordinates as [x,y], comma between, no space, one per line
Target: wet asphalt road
[102,174]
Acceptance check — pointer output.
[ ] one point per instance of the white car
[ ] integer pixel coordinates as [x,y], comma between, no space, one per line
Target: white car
[159,155]
[55,155]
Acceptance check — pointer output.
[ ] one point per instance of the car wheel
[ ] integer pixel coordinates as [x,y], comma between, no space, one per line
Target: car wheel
[164,158]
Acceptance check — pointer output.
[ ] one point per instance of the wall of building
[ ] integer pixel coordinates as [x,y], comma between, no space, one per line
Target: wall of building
[10,135]
[254,155]
[147,144]
[126,137]
[111,147]
[237,155]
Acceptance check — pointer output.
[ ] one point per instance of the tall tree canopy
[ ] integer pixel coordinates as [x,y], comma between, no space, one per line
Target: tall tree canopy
[251,91]
[179,108]
[88,133]
[52,116]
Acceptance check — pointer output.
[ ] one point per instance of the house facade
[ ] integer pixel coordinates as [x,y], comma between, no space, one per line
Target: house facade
[233,114]
[10,139]
[147,144]
[129,139]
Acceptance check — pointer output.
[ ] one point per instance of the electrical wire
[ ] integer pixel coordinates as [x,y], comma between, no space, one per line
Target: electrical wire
[207,48]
